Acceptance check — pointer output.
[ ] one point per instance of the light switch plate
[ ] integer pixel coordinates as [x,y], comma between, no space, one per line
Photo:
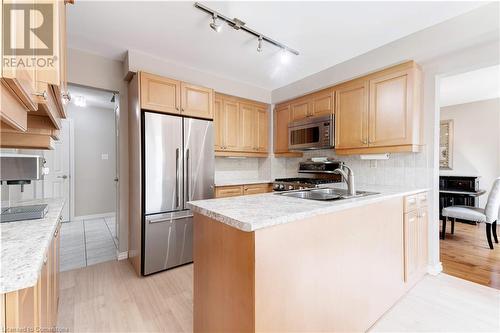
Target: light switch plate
[104,156]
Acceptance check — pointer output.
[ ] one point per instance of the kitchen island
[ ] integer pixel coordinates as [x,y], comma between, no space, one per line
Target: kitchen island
[274,263]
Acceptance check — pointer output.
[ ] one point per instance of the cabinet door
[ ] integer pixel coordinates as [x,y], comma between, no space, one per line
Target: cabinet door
[21,310]
[45,293]
[411,246]
[219,124]
[228,191]
[17,71]
[300,109]
[262,133]
[351,115]
[423,221]
[247,127]
[55,273]
[322,103]
[390,106]
[159,93]
[231,114]
[282,118]
[196,101]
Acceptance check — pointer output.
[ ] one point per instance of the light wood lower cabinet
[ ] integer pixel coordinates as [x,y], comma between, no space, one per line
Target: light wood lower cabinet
[241,127]
[36,307]
[237,190]
[415,237]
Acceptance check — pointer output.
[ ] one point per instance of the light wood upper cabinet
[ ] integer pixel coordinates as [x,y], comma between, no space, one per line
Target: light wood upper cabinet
[351,115]
[196,101]
[300,109]
[281,119]
[231,125]
[219,124]
[377,113]
[262,130]
[160,94]
[242,125]
[390,116]
[19,77]
[322,103]
[248,123]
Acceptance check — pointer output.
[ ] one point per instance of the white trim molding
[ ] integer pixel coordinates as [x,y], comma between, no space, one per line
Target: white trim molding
[435,269]
[121,255]
[94,216]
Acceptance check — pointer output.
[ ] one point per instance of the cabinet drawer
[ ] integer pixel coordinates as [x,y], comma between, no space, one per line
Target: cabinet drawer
[256,189]
[228,191]
[410,203]
[415,201]
[422,199]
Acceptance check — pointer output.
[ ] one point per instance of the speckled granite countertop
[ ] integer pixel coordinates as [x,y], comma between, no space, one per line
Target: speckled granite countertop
[253,212]
[241,182]
[24,244]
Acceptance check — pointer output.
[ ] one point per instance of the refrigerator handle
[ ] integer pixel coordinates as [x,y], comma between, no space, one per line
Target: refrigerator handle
[177,177]
[187,176]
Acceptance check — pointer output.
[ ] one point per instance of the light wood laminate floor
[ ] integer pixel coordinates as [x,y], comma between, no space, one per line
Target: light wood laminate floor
[109,297]
[466,255]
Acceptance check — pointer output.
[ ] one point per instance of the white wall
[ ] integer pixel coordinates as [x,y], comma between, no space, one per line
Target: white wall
[94,135]
[95,71]
[476,141]
[137,61]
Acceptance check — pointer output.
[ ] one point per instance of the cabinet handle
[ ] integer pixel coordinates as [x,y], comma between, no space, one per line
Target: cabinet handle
[42,94]
[182,109]
[45,259]
[177,108]
[66,96]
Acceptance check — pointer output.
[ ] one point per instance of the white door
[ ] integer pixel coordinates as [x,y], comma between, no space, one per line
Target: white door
[117,164]
[57,183]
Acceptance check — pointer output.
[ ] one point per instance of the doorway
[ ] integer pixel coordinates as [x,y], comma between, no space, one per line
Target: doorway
[84,171]
[469,164]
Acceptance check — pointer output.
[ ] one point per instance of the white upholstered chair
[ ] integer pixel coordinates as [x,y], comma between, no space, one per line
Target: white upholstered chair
[488,215]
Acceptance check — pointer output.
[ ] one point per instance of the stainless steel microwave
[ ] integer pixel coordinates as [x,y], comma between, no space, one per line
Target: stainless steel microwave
[312,133]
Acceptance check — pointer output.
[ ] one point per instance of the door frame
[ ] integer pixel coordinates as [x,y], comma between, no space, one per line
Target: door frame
[116,136]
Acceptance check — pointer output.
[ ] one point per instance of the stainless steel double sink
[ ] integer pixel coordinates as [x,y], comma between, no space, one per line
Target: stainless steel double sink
[325,194]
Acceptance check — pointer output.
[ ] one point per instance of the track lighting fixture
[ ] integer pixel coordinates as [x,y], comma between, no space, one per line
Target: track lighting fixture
[259,47]
[214,25]
[238,24]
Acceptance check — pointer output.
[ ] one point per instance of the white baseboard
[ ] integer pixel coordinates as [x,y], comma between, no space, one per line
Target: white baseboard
[94,216]
[435,269]
[121,255]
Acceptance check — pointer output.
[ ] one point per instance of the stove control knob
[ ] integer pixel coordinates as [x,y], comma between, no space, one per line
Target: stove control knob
[281,187]
[290,187]
[276,186]
[301,188]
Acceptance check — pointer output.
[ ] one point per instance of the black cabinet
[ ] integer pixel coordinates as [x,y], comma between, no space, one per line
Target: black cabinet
[456,190]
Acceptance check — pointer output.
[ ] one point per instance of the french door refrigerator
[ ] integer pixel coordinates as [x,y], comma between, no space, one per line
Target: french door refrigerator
[178,166]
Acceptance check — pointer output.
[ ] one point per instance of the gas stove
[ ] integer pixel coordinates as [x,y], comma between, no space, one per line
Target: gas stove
[288,184]
[323,171]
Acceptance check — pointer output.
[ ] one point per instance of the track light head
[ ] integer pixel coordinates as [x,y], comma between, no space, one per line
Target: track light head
[285,56]
[259,46]
[214,25]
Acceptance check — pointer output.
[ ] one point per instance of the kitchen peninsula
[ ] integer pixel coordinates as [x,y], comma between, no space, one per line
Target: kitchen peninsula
[269,262]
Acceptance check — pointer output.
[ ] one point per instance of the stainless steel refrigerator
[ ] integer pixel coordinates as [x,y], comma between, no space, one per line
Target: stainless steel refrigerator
[178,166]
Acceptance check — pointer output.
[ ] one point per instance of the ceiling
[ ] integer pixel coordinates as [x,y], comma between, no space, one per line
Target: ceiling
[471,86]
[325,33]
[93,97]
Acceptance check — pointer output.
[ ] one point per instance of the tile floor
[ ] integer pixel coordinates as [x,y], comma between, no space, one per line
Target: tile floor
[87,242]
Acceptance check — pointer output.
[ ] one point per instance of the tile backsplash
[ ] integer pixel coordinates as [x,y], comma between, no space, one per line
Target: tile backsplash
[403,169]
